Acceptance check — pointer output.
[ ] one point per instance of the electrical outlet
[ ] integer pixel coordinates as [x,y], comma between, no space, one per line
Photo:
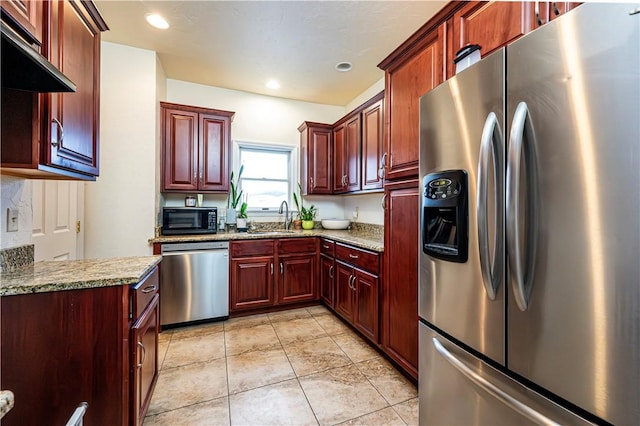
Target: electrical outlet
[12,220]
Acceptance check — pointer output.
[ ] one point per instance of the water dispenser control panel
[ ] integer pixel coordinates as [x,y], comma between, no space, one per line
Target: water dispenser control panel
[445,215]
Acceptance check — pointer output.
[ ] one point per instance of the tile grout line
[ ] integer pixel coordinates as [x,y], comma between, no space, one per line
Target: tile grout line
[226,366]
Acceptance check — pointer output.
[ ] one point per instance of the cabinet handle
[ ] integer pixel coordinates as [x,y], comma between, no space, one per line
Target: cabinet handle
[350,276]
[384,204]
[200,178]
[555,8]
[331,272]
[537,12]
[144,354]
[383,165]
[326,247]
[59,133]
[272,269]
[353,256]
[149,289]
[312,185]
[281,268]
[352,280]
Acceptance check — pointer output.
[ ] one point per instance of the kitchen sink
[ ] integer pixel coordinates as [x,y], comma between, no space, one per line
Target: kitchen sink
[275,232]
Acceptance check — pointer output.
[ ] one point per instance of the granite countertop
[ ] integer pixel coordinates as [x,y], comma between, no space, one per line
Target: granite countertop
[6,402]
[43,277]
[363,239]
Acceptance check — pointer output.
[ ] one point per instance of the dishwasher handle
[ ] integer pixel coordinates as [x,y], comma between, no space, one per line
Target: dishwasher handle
[224,252]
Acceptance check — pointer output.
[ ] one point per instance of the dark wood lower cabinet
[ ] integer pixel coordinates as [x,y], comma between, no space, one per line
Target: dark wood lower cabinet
[144,356]
[297,278]
[400,289]
[327,274]
[62,348]
[357,298]
[252,283]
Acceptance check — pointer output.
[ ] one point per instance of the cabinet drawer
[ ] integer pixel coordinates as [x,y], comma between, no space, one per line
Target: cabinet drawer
[296,245]
[144,291]
[359,258]
[327,247]
[252,248]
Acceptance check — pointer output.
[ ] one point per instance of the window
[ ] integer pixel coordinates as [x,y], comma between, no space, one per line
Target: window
[267,177]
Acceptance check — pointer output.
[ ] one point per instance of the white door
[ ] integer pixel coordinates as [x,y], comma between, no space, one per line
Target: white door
[57,208]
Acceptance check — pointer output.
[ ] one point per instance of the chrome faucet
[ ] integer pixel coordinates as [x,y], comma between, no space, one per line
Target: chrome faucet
[287,221]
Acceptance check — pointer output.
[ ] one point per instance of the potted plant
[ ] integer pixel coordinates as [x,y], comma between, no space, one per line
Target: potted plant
[306,215]
[242,217]
[234,197]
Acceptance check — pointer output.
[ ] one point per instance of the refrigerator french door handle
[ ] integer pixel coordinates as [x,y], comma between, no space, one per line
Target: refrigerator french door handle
[490,388]
[517,266]
[491,145]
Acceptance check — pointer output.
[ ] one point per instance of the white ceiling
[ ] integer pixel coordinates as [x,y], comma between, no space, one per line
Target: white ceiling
[242,44]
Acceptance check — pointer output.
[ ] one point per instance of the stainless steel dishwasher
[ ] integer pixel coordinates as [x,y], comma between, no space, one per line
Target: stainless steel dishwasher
[195,282]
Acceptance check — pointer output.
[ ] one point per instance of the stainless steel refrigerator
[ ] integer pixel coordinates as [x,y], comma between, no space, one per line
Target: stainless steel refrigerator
[529,295]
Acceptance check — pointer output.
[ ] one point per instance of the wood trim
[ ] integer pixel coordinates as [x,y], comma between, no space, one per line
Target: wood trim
[197,109]
[360,108]
[417,40]
[306,124]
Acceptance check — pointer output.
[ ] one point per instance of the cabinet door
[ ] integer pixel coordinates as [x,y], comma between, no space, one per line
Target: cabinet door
[251,283]
[490,24]
[72,129]
[400,288]
[372,141]
[366,310]
[339,159]
[144,356]
[406,83]
[297,280]
[327,270]
[316,158]
[27,15]
[180,150]
[344,293]
[352,153]
[213,138]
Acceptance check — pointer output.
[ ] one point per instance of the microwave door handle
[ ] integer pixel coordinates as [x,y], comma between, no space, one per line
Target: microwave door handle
[491,145]
[490,388]
[521,270]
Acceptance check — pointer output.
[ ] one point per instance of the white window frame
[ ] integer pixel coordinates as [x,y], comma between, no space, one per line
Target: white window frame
[270,146]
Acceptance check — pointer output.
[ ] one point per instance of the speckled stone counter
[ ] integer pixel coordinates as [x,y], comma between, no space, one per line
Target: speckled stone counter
[6,402]
[366,240]
[43,277]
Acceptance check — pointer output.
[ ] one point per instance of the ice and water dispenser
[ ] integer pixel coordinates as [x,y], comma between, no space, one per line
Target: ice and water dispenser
[445,215]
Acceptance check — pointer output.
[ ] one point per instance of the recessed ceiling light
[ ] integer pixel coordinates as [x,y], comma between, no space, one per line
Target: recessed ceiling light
[157,21]
[344,66]
[272,84]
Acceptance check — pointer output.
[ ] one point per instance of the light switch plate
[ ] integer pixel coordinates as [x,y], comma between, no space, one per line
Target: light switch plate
[12,220]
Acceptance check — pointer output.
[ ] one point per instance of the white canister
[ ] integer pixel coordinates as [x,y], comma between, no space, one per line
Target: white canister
[189,201]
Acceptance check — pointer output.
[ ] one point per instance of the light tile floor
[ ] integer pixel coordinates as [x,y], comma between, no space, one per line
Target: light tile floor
[296,367]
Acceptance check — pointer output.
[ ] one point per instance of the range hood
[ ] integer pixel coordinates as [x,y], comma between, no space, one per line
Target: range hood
[25,69]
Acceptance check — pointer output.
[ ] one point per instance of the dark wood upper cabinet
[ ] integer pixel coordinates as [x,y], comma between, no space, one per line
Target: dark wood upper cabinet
[51,135]
[406,82]
[316,163]
[346,155]
[372,146]
[490,25]
[195,148]
[26,17]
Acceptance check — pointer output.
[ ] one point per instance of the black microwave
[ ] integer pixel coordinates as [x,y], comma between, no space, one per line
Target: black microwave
[189,220]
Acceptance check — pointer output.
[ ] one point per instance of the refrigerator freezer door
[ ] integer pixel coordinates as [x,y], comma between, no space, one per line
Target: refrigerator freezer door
[466,300]
[573,328]
[457,388]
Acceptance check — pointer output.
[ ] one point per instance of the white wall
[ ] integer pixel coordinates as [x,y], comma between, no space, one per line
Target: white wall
[368,206]
[121,204]
[258,118]
[15,193]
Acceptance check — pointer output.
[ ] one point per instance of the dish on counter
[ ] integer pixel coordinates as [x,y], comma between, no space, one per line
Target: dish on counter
[335,223]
